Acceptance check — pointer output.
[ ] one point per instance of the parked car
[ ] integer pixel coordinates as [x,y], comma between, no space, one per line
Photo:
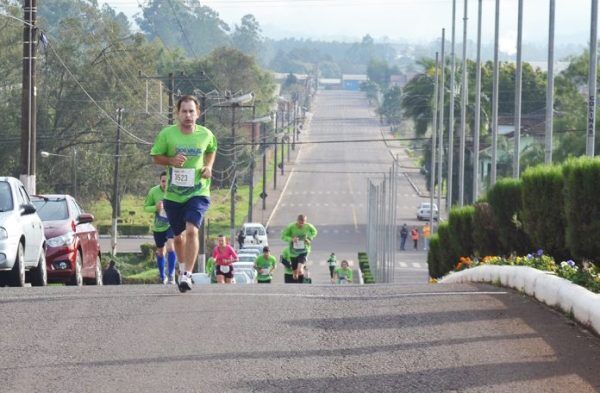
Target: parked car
[241,277]
[201,278]
[22,241]
[423,211]
[252,248]
[247,267]
[73,251]
[249,251]
[255,234]
[246,258]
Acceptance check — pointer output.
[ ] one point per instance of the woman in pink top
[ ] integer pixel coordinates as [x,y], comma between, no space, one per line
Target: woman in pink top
[224,256]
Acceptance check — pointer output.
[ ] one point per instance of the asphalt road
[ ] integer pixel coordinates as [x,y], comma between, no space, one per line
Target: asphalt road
[408,336]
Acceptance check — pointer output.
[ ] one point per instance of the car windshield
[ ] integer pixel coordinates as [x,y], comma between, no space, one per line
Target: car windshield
[52,209]
[6,202]
[259,231]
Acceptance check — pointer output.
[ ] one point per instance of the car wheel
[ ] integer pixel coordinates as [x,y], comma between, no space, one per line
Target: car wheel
[98,279]
[77,278]
[39,275]
[17,274]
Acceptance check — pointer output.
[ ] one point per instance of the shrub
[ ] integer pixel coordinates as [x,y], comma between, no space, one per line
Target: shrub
[363,264]
[133,229]
[447,258]
[460,221]
[543,210]
[582,207]
[148,250]
[485,232]
[433,257]
[506,202]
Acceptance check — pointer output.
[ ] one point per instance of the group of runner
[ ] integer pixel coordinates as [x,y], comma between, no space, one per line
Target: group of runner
[182,198]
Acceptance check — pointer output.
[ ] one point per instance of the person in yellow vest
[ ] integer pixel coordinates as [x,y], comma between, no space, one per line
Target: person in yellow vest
[426,234]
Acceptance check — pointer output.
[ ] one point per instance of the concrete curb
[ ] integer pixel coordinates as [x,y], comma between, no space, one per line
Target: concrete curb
[554,291]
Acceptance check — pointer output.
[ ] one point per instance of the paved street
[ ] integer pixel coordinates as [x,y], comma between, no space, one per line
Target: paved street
[409,336]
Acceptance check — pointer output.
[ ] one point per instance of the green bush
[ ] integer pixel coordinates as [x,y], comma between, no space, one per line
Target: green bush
[448,259]
[363,264]
[582,207]
[148,251]
[433,257]
[485,232]
[460,221]
[103,229]
[133,229]
[543,212]
[506,202]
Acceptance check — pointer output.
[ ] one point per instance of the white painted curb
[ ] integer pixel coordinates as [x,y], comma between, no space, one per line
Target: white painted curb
[554,291]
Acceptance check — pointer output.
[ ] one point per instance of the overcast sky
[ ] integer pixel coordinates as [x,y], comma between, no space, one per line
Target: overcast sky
[414,20]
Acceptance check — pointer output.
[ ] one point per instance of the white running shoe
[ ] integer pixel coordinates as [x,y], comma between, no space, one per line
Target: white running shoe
[165,281]
[185,282]
[171,280]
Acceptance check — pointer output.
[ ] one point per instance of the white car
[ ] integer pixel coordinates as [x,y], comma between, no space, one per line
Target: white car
[247,267]
[423,211]
[241,277]
[247,258]
[200,278]
[255,234]
[22,240]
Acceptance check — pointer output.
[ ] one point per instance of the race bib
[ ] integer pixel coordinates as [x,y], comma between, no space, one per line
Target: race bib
[299,245]
[225,269]
[265,272]
[183,177]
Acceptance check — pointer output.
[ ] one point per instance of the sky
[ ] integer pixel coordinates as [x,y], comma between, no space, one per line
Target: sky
[408,20]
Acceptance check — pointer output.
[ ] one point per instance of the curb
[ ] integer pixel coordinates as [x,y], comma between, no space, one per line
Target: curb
[581,304]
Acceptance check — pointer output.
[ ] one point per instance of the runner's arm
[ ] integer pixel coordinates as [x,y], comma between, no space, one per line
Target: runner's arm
[209,160]
[149,204]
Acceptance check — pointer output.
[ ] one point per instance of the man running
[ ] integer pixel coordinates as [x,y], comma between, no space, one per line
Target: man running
[265,265]
[163,235]
[188,151]
[332,263]
[299,235]
[343,274]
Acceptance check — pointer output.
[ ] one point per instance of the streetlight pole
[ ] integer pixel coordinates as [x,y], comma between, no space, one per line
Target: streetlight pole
[550,87]
[591,124]
[115,202]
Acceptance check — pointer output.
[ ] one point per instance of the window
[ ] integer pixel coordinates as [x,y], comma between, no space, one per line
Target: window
[52,209]
[6,200]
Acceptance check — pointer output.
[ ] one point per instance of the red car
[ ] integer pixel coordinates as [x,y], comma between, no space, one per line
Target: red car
[73,248]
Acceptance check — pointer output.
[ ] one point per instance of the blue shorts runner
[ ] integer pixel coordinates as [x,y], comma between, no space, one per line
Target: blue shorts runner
[191,211]
[160,238]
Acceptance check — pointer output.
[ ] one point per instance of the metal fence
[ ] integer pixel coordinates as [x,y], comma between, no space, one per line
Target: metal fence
[381,225]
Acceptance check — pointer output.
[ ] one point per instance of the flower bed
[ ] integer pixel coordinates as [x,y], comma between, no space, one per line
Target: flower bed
[587,276]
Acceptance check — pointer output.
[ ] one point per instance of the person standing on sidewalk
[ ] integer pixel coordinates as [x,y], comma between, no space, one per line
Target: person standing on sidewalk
[188,151]
[414,233]
[426,234]
[265,265]
[299,235]
[403,236]
[332,263]
[163,235]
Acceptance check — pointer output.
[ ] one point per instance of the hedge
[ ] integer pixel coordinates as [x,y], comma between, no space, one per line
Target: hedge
[485,232]
[125,229]
[543,210]
[448,257]
[582,207]
[433,257]
[460,220]
[506,202]
[363,265]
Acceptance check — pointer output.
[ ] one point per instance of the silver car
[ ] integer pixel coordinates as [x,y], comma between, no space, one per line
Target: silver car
[22,241]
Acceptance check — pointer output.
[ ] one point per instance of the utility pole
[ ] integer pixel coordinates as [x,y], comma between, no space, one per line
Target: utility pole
[294,126]
[115,202]
[28,99]
[275,143]
[518,87]
[442,92]
[450,180]
[234,180]
[263,143]
[171,97]
[252,166]
[463,115]
[550,87]
[289,138]
[433,145]
[283,143]
[591,125]
[74,169]
[201,266]
[477,129]
[495,97]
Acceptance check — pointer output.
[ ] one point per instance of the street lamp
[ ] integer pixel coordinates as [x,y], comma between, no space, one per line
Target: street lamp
[73,157]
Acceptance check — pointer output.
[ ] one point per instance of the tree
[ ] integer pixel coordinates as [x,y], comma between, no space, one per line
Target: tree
[391,106]
[247,36]
[185,24]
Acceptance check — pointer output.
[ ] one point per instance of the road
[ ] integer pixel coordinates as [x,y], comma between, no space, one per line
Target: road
[408,336]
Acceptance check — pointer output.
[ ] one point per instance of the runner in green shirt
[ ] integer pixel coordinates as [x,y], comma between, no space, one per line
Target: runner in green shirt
[265,265]
[188,151]
[288,273]
[344,273]
[299,235]
[332,263]
[163,235]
